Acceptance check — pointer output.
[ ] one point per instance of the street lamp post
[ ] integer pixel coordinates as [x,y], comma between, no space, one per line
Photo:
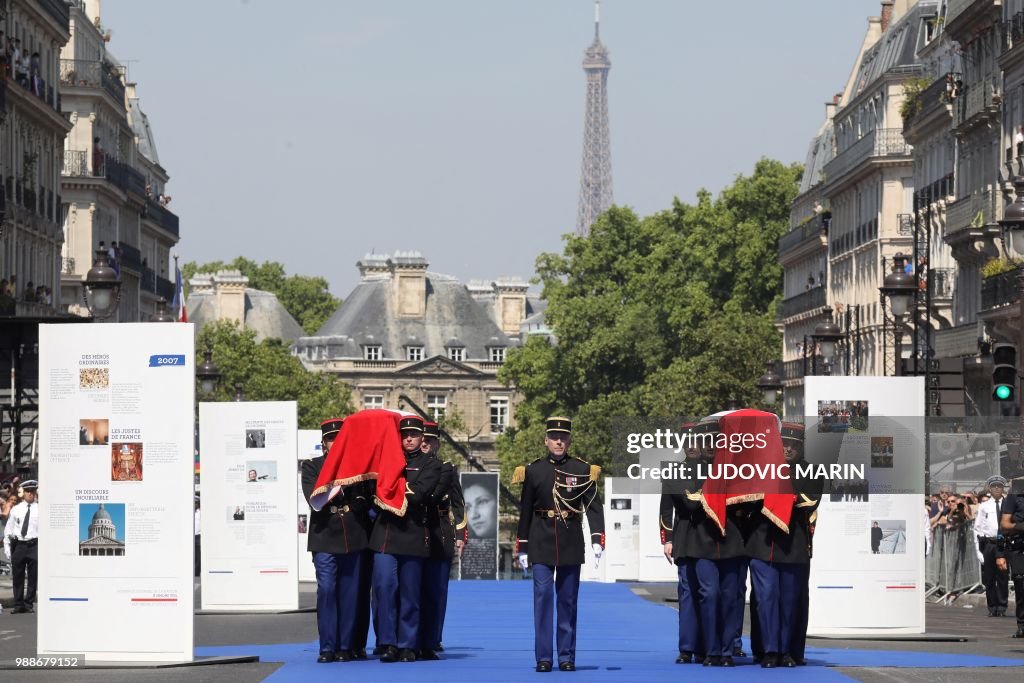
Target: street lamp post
[825,336]
[207,373]
[102,287]
[900,287]
[770,384]
[162,314]
[239,395]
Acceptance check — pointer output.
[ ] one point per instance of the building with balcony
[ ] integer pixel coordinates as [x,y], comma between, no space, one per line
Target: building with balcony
[408,337]
[113,181]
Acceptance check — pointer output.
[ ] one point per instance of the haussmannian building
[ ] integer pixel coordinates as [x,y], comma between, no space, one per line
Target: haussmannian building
[407,337]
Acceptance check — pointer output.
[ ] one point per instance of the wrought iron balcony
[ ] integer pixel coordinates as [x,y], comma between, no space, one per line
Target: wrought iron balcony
[85,73]
[976,99]
[975,211]
[801,303]
[999,290]
[164,288]
[881,142]
[131,257]
[794,369]
[939,94]
[1013,31]
[812,230]
[76,163]
[124,176]
[161,216]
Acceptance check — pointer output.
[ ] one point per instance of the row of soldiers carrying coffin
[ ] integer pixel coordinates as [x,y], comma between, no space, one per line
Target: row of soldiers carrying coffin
[715,536]
[371,557]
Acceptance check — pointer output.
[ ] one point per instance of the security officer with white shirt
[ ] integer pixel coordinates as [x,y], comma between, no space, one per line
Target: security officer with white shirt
[21,538]
[986,528]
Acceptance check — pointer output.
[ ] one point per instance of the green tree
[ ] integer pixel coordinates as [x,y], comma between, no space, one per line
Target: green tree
[267,371]
[307,298]
[670,314]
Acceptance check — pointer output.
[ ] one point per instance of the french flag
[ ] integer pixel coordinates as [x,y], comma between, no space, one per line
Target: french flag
[179,297]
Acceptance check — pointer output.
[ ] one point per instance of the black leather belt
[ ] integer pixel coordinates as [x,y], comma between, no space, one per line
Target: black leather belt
[31,541]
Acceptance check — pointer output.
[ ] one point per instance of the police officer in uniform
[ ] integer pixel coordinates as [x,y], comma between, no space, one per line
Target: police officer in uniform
[717,566]
[447,521]
[21,538]
[402,544]
[557,491]
[674,523]
[338,535]
[1011,557]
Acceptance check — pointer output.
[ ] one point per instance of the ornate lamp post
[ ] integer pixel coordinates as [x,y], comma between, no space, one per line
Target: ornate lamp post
[900,287]
[826,336]
[102,291]
[770,384]
[162,314]
[207,373]
[239,395]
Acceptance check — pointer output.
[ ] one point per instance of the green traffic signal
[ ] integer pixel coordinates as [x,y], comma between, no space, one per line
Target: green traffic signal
[1003,392]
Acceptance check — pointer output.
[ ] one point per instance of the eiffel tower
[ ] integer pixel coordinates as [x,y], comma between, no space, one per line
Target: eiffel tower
[596,168]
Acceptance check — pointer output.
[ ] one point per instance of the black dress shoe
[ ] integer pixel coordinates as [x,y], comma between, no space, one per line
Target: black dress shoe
[380,649]
[30,609]
[19,610]
[769,661]
[713,660]
[359,654]
[684,658]
[325,658]
[1019,633]
[439,648]
[800,661]
[407,655]
[738,652]
[343,656]
[389,655]
[543,667]
[787,662]
[428,654]
[727,661]
[566,666]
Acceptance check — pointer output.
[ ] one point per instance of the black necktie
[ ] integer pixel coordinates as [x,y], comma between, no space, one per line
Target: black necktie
[24,524]
[999,505]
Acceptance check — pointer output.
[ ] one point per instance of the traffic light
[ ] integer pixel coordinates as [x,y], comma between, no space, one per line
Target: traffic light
[1004,372]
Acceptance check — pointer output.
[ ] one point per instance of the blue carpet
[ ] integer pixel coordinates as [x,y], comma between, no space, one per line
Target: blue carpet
[489,637]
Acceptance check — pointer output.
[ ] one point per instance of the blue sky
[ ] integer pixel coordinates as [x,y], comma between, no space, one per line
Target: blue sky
[313,132]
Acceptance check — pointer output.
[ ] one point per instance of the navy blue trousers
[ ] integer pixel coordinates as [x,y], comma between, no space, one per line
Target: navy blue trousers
[765,578]
[397,584]
[559,585]
[434,601]
[736,617]
[794,592]
[717,594]
[689,620]
[337,590]
[362,628]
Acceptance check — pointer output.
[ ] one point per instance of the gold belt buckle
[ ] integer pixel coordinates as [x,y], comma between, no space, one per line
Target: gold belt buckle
[551,513]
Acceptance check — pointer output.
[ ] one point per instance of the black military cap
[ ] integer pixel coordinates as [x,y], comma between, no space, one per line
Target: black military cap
[792,431]
[411,422]
[431,429]
[559,424]
[330,427]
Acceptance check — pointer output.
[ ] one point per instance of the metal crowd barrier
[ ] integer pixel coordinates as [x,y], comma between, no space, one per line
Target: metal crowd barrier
[952,568]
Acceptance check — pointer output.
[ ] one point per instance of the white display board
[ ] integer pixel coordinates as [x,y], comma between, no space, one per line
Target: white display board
[116,473]
[248,453]
[633,550]
[310,445]
[863,584]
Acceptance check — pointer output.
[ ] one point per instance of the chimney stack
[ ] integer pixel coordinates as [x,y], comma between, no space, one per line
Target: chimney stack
[887,6]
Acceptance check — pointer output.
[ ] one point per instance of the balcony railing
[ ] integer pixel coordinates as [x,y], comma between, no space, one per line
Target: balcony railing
[881,142]
[161,216]
[813,229]
[939,94]
[794,369]
[801,303]
[164,288]
[76,163]
[976,98]
[1013,31]
[374,364]
[92,74]
[976,211]
[942,281]
[124,176]
[131,257]
[999,290]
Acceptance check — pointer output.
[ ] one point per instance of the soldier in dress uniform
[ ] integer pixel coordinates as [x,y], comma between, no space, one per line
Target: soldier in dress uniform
[779,563]
[1011,554]
[447,521]
[717,566]
[557,491]
[674,525]
[402,544]
[338,535]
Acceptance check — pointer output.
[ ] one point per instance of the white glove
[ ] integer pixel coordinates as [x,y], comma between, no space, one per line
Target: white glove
[523,561]
[598,551]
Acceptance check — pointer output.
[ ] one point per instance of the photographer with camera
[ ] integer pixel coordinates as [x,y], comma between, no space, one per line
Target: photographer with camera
[1011,555]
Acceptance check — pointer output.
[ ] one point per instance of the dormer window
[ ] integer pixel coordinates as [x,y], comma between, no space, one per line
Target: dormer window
[372,352]
[414,353]
[497,354]
[456,353]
